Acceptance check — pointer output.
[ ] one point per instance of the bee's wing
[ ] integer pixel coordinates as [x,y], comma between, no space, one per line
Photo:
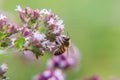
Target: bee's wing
[67,52]
[71,49]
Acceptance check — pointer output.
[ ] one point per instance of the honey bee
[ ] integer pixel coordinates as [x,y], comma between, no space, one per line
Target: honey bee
[62,45]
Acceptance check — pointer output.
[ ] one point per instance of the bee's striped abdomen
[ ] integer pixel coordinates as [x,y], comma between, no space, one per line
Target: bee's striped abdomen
[60,51]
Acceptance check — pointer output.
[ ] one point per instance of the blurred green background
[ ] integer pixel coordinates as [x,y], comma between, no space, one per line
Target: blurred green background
[94,27]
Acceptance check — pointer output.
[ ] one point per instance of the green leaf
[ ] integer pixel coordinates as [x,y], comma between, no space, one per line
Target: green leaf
[19,43]
[35,51]
[2,36]
[3,44]
[41,29]
[32,20]
[19,34]
[4,27]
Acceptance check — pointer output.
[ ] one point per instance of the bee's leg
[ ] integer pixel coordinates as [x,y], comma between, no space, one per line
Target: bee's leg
[58,41]
[55,50]
[61,41]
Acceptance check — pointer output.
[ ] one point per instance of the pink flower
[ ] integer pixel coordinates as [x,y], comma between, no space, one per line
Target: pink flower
[38,36]
[3,21]
[45,12]
[11,28]
[50,74]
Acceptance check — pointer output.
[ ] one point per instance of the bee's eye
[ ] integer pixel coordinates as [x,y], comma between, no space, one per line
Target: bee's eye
[66,38]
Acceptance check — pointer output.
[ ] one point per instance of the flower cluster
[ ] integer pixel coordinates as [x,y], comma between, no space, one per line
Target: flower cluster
[3,70]
[37,35]
[6,30]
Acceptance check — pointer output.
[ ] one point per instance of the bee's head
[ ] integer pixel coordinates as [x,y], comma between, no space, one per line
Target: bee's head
[66,41]
[66,38]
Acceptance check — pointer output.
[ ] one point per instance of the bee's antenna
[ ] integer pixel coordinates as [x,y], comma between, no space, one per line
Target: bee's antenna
[68,34]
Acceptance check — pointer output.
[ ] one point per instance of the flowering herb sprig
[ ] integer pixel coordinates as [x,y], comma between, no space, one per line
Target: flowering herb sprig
[38,34]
